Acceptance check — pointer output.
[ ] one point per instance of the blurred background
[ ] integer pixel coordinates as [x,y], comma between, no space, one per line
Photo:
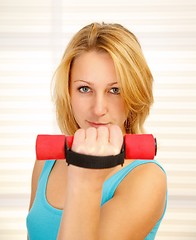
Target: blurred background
[33,36]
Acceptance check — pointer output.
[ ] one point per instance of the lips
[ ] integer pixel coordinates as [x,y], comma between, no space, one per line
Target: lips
[97,124]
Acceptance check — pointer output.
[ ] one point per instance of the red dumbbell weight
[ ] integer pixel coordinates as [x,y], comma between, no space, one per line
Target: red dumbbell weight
[137,146]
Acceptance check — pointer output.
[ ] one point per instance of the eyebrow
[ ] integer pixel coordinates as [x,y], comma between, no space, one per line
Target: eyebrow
[91,84]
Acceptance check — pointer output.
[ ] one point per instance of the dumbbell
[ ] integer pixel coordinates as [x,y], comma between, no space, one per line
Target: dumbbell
[136,146]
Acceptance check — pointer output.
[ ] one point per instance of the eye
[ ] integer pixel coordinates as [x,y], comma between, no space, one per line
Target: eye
[84,89]
[115,90]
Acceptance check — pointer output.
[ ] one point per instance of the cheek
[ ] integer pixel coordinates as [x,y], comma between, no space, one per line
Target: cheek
[75,106]
[118,111]
[78,107]
[120,108]
[123,113]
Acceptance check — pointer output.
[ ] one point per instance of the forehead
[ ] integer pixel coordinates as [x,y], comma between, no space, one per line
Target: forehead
[93,66]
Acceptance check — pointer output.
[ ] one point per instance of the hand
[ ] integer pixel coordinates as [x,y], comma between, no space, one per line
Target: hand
[102,141]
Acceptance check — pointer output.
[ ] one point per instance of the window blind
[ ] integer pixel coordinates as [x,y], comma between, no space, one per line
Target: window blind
[33,35]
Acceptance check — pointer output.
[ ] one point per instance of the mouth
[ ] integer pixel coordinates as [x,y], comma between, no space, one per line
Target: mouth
[98,124]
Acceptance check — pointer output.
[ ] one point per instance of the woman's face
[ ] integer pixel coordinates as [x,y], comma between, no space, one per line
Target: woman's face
[95,93]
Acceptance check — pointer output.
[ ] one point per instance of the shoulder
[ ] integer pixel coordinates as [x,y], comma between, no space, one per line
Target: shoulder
[148,171]
[148,176]
[37,169]
[146,181]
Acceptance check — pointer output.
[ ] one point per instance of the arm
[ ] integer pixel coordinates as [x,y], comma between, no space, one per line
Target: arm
[82,207]
[133,211]
[137,205]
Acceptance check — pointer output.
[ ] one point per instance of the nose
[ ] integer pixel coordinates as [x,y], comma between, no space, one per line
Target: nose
[100,105]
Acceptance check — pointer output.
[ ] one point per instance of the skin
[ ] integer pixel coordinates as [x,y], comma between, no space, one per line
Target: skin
[95,93]
[139,200]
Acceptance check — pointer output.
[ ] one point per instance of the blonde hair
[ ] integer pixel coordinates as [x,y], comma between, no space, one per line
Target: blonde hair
[135,78]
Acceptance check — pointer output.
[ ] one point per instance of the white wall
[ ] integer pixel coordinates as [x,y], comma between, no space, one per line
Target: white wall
[33,35]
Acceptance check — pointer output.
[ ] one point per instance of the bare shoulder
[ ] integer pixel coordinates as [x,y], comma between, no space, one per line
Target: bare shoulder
[147,177]
[149,171]
[37,169]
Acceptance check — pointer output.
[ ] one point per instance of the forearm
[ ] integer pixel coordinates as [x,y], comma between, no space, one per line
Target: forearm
[81,215]
[80,220]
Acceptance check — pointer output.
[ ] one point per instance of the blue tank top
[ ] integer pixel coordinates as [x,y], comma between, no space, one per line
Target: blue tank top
[43,220]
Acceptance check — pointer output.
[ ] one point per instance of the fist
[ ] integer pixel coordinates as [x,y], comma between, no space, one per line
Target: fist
[102,141]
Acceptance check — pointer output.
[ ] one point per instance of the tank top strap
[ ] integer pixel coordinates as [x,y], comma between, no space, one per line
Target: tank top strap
[48,165]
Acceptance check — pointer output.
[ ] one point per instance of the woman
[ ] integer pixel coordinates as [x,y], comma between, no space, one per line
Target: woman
[103,90]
